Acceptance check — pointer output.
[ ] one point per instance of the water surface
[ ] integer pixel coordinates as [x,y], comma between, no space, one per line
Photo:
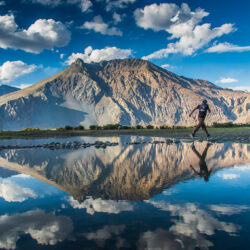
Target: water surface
[141,196]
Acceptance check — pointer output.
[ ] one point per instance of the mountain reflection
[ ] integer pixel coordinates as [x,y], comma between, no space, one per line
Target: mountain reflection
[124,172]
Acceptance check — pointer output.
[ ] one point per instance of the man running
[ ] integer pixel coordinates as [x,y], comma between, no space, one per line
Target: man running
[203,108]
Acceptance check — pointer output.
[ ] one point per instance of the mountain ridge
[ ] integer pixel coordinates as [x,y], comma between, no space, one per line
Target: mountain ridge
[125,91]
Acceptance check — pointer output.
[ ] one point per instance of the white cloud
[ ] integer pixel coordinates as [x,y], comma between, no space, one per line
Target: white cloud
[23,86]
[227,80]
[182,24]
[43,34]
[229,176]
[168,16]
[241,88]
[46,229]
[84,5]
[101,206]
[98,55]
[192,224]
[117,18]
[12,192]
[165,66]
[170,192]
[2,3]
[62,55]
[117,4]
[101,235]
[227,47]
[229,209]
[12,70]
[100,27]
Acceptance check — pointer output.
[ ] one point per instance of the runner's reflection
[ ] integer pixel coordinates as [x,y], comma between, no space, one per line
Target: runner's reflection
[204,172]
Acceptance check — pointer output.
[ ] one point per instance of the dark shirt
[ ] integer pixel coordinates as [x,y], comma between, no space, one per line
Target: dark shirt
[203,108]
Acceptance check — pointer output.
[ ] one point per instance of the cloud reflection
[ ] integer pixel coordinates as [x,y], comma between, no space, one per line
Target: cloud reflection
[107,232]
[191,225]
[46,229]
[13,192]
[93,206]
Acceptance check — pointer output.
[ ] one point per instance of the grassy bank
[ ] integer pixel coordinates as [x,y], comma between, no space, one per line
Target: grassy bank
[233,132]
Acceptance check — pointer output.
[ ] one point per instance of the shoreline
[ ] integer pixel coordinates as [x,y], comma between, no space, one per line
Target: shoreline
[233,133]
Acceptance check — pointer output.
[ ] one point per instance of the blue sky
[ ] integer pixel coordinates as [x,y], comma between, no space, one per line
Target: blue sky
[205,39]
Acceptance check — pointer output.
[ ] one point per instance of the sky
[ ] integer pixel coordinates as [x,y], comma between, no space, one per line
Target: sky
[201,39]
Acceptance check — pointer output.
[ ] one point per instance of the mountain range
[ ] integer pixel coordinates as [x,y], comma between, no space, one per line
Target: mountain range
[5,89]
[124,91]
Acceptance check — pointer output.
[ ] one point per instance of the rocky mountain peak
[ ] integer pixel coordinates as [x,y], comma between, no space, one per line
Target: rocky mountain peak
[126,91]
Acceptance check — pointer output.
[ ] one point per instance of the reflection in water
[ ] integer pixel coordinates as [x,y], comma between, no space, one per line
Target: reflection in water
[191,225]
[125,172]
[46,229]
[204,172]
[93,206]
[125,197]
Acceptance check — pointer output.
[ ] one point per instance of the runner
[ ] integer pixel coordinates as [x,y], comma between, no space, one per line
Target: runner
[203,108]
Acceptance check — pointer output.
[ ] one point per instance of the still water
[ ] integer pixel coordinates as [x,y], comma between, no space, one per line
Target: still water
[174,195]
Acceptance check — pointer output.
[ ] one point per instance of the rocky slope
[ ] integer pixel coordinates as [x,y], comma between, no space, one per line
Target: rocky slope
[128,91]
[135,172]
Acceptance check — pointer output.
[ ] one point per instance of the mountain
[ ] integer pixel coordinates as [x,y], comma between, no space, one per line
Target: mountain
[124,172]
[128,91]
[5,89]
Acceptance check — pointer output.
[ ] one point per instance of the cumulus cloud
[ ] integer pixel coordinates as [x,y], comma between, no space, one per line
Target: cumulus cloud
[99,26]
[43,34]
[117,18]
[12,70]
[107,232]
[117,4]
[46,229]
[227,47]
[97,55]
[93,206]
[182,24]
[12,192]
[194,224]
[84,5]
[227,80]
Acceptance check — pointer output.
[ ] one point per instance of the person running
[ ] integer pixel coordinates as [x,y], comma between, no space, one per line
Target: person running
[203,108]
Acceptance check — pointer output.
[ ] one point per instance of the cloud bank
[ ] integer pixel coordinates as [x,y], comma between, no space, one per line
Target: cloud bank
[12,70]
[182,24]
[98,55]
[43,34]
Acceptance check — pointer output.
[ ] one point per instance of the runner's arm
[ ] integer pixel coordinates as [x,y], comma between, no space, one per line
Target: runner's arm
[193,110]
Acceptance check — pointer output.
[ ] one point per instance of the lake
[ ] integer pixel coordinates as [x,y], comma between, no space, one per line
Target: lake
[128,193]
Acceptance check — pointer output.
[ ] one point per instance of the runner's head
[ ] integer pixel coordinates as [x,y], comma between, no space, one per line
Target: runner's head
[204,101]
